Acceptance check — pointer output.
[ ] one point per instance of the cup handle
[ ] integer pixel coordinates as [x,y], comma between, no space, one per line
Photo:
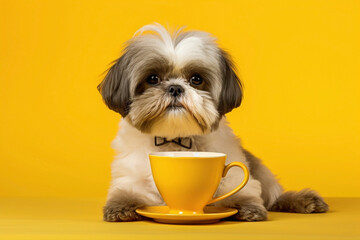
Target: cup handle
[241,185]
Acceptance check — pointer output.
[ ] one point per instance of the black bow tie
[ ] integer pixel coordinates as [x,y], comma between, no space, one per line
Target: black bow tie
[183,142]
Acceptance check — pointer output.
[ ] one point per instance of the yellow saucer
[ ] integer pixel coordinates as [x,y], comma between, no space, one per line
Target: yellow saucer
[211,215]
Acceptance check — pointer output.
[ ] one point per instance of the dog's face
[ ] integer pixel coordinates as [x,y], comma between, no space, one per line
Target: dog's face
[172,86]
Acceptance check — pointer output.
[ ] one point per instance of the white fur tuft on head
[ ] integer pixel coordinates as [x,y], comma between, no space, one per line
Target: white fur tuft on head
[161,31]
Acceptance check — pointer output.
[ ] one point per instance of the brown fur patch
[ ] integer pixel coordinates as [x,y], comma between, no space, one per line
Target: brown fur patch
[270,188]
[305,201]
[121,207]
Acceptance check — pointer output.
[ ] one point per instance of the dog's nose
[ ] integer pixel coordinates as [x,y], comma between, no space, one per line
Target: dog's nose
[175,90]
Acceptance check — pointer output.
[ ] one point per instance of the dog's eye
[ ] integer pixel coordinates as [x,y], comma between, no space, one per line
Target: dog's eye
[153,79]
[196,80]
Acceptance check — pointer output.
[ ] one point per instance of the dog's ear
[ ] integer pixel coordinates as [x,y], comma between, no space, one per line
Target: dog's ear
[115,88]
[231,92]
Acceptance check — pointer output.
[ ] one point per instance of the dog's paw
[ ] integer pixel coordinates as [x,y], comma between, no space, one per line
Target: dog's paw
[121,213]
[310,202]
[305,201]
[250,213]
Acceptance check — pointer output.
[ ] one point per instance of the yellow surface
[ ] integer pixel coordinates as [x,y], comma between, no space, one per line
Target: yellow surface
[299,62]
[195,175]
[31,218]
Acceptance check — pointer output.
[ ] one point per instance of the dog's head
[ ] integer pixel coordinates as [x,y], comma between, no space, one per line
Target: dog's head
[172,85]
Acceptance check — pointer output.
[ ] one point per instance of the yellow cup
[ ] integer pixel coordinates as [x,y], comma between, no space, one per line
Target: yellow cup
[187,181]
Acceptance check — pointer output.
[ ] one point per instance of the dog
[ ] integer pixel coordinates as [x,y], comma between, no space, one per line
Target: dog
[173,91]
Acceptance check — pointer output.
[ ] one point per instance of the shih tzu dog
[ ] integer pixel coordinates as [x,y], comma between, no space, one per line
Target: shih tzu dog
[173,91]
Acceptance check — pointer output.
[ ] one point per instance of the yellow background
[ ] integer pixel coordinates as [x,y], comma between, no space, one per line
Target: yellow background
[299,62]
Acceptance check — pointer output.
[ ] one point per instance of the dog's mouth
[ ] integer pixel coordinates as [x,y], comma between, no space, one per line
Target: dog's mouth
[174,105]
